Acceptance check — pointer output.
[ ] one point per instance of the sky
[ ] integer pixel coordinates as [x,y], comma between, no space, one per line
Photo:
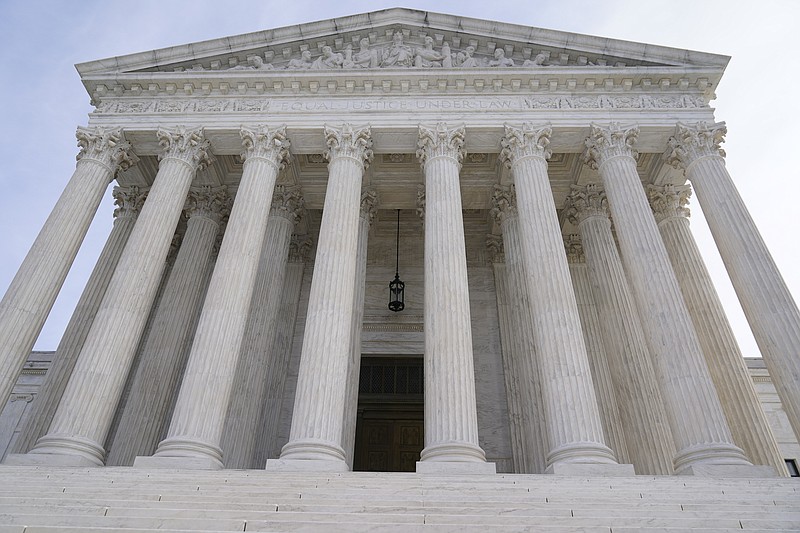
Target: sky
[44,101]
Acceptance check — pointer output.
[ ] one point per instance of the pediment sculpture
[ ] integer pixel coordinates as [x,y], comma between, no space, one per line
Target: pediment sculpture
[399,54]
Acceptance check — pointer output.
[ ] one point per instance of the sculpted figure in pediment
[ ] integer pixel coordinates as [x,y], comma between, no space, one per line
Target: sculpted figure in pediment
[500,59]
[256,63]
[328,60]
[398,54]
[303,63]
[426,56]
[537,61]
[465,60]
[364,58]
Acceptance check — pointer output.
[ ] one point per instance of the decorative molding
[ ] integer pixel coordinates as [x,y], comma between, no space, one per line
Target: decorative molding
[606,143]
[691,143]
[440,141]
[669,201]
[349,142]
[189,146]
[421,202]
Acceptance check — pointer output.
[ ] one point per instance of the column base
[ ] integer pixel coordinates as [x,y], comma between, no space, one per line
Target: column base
[455,467]
[452,452]
[590,470]
[729,471]
[49,459]
[61,450]
[703,455]
[182,452]
[307,465]
[584,453]
[156,462]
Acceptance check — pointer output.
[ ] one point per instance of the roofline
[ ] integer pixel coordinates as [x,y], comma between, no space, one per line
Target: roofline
[397,15]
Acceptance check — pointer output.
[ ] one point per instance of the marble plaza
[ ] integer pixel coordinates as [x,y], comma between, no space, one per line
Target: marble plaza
[529,186]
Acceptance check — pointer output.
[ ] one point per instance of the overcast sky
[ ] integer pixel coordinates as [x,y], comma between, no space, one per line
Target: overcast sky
[43,99]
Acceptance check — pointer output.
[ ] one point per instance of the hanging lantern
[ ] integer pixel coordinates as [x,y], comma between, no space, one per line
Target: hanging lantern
[397,287]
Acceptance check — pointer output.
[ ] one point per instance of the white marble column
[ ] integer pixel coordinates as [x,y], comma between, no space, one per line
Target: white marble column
[84,416]
[699,429]
[516,416]
[648,435]
[522,346]
[613,429]
[740,403]
[195,431]
[34,289]
[451,419]
[315,439]
[574,428]
[769,307]
[166,345]
[369,204]
[129,202]
[267,427]
[239,436]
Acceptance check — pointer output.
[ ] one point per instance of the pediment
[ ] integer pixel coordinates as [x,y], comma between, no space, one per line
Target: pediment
[400,39]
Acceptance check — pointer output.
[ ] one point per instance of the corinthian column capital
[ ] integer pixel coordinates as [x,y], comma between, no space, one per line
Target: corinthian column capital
[574,248]
[440,141]
[603,144]
[691,143]
[504,203]
[669,201]
[266,144]
[586,202]
[496,247]
[188,146]
[129,200]
[287,201]
[353,143]
[210,202]
[105,146]
[369,204]
[527,141]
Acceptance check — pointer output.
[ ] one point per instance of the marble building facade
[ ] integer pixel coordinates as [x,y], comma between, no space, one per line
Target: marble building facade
[558,316]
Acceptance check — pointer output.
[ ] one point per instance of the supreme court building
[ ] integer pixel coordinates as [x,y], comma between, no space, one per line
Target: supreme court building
[528,186]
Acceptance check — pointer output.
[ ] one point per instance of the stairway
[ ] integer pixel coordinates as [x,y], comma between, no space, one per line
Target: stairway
[39,500]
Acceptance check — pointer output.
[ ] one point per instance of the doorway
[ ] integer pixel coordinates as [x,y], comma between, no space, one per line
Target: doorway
[390,423]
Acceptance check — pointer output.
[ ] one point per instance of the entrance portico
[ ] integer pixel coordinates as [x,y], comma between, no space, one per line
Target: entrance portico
[431,121]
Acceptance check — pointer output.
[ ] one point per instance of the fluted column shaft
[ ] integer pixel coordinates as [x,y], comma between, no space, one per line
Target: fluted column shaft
[522,346]
[281,351]
[517,417]
[451,418]
[32,292]
[44,406]
[163,355]
[648,434]
[574,427]
[613,429]
[699,428]
[239,436]
[369,201]
[740,403]
[195,431]
[766,301]
[84,416]
[319,407]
